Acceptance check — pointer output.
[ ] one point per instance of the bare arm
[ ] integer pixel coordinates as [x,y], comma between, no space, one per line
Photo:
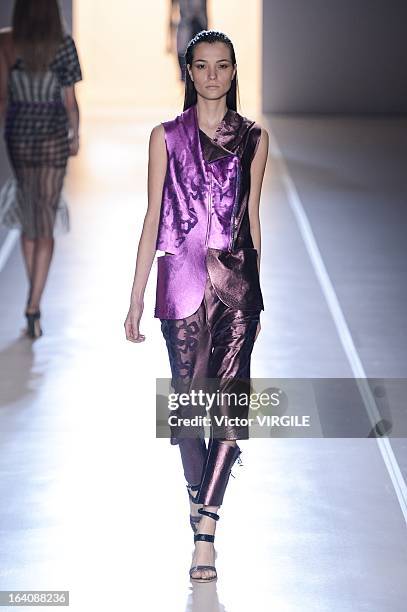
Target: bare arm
[157,167]
[256,177]
[256,180]
[72,109]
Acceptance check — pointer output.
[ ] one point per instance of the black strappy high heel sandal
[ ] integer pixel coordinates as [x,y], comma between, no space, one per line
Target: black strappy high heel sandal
[33,324]
[194,520]
[204,537]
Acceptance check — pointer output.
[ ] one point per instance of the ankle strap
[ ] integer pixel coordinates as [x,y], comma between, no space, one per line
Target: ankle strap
[193,497]
[193,487]
[239,462]
[211,515]
[35,315]
[204,537]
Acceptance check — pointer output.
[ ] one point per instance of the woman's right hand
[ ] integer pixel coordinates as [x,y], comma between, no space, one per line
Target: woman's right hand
[74,146]
[132,322]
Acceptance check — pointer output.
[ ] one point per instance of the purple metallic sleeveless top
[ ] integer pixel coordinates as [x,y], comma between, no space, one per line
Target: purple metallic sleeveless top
[204,220]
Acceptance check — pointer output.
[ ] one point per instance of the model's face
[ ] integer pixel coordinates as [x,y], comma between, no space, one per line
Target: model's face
[212,70]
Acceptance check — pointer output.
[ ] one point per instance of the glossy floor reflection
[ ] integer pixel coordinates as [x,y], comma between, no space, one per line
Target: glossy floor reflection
[92,503]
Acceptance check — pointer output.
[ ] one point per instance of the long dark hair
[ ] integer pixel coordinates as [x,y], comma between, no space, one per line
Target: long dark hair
[209,36]
[37,32]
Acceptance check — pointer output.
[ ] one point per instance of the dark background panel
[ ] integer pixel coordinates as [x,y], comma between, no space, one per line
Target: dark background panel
[334,56]
[6,8]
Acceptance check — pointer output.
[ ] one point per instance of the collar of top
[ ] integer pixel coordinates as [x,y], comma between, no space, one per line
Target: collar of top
[229,134]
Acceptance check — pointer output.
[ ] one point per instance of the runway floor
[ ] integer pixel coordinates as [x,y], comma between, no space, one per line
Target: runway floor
[93,503]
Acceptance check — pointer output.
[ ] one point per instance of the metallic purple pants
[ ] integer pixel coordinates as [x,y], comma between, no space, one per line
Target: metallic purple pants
[214,343]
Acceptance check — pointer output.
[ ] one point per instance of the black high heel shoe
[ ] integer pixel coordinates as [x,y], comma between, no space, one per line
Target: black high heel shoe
[194,520]
[204,537]
[33,324]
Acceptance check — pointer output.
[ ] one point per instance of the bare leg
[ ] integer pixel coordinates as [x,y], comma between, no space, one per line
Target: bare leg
[43,251]
[39,167]
[27,247]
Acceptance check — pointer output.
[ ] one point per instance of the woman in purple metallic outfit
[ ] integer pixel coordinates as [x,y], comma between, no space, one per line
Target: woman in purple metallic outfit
[206,169]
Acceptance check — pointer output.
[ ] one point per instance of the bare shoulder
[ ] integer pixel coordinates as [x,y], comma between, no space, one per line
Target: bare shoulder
[157,155]
[261,152]
[157,138]
[157,132]
[262,141]
[261,138]
[264,135]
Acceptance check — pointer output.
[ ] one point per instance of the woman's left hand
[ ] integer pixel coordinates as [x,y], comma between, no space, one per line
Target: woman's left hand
[74,146]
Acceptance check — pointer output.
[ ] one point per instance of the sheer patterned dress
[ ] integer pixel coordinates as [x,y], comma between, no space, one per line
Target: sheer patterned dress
[36,132]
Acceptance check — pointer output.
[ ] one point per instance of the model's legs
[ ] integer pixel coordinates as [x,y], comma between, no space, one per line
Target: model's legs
[233,334]
[48,186]
[221,456]
[188,345]
[25,205]
[27,247]
[42,257]
[39,168]
[193,455]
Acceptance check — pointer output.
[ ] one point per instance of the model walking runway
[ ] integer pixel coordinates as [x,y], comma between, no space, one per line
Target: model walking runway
[207,218]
